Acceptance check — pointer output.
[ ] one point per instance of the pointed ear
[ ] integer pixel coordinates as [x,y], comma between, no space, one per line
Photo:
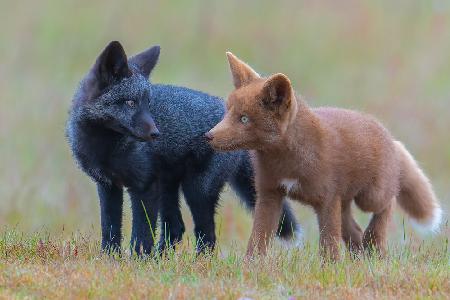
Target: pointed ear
[146,60]
[110,67]
[241,72]
[112,64]
[277,93]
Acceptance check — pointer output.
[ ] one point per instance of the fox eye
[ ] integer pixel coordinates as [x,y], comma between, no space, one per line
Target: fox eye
[131,103]
[244,119]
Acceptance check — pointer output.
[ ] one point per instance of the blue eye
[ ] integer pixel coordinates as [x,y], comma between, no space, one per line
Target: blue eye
[244,119]
[131,103]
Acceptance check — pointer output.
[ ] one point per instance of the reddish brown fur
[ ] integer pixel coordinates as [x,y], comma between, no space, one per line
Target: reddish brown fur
[324,157]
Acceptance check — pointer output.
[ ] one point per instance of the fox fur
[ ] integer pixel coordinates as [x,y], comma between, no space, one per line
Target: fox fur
[323,157]
[129,134]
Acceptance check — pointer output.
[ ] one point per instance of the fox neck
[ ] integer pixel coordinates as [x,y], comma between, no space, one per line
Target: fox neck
[98,137]
[304,130]
[302,138]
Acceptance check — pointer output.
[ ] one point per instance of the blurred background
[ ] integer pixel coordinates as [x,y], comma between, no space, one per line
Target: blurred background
[387,58]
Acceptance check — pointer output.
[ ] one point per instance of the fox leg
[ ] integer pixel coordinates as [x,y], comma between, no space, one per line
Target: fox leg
[243,183]
[172,225]
[203,210]
[111,206]
[202,195]
[375,234]
[329,216]
[265,221]
[144,208]
[351,232]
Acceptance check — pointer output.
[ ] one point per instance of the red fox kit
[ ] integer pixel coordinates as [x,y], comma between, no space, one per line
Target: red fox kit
[323,157]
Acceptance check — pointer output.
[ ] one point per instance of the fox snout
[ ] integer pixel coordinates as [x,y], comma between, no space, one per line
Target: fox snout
[218,137]
[213,135]
[146,128]
[151,132]
[209,136]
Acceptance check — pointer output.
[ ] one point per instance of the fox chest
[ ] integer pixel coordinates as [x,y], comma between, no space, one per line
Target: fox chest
[294,189]
[290,185]
[130,173]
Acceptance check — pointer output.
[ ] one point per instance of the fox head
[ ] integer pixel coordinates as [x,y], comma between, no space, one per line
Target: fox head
[116,91]
[259,110]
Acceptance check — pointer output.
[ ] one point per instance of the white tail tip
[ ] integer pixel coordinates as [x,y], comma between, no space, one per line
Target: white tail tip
[429,226]
[296,241]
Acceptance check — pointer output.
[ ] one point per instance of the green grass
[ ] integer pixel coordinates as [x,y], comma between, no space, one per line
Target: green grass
[387,58]
[45,266]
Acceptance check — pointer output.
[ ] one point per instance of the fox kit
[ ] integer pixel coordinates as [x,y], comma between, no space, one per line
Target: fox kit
[323,157]
[127,133]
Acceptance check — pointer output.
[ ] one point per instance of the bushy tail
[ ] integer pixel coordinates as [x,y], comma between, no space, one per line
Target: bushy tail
[416,194]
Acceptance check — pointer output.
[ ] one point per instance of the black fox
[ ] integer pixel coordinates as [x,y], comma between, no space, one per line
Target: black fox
[125,132]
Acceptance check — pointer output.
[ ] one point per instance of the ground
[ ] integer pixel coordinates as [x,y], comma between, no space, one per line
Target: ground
[47,266]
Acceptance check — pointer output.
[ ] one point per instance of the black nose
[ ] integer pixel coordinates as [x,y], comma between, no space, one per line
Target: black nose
[155,134]
[209,136]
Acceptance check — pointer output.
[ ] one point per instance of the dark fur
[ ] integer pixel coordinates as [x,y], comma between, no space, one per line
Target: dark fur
[109,137]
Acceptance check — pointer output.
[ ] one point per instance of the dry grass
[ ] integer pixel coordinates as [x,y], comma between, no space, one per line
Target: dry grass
[43,266]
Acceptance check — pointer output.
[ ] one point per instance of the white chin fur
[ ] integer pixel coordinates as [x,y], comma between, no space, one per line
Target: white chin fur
[430,226]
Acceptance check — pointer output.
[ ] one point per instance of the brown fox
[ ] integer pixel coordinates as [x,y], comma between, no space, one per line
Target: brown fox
[323,157]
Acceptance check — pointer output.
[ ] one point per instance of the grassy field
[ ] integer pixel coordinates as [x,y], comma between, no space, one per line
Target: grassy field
[44,266]
[387,58]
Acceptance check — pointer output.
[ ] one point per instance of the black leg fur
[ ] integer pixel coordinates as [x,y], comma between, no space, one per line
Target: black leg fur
[172,226]
[201,191]
[144,220]
[111,208]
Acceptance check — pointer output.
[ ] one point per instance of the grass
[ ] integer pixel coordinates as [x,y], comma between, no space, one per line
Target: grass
[45,266]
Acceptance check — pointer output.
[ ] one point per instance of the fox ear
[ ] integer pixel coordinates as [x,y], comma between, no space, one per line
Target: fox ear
[241,72]
[112,64]
[110,67]
[146,60]
[277,93]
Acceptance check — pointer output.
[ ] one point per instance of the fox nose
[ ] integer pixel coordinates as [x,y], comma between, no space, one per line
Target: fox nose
[155,134]
[209,136]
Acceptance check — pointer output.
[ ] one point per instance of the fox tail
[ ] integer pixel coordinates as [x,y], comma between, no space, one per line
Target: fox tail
[416,195]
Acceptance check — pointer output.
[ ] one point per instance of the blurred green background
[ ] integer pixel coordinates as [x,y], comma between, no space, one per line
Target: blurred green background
[387,58]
